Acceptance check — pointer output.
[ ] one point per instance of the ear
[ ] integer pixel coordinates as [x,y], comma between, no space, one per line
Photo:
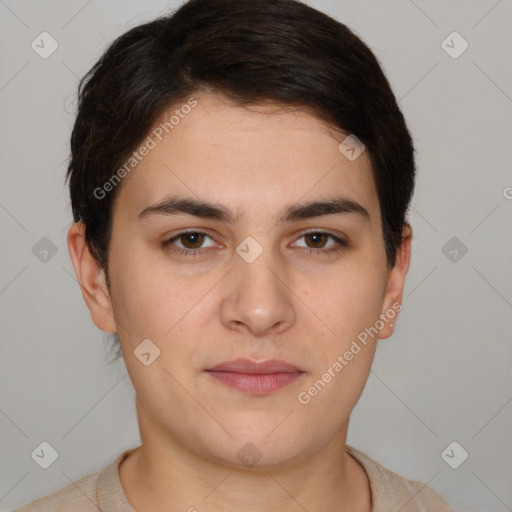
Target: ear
[392,303]
[91,279]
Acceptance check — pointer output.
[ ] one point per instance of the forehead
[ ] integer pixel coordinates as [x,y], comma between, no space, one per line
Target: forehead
[263,156]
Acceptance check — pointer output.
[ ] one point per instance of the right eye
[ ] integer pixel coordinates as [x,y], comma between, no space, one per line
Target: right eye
[188,243]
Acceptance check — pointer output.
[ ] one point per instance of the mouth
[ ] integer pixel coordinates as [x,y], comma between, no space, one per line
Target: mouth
[255,378]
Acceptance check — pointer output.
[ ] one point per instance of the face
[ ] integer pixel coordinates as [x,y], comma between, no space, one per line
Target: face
[246,234]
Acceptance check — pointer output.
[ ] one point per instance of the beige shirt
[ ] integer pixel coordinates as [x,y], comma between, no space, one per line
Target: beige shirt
[103,491]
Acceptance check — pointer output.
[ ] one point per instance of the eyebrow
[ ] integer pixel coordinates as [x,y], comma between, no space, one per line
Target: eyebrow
[295,212]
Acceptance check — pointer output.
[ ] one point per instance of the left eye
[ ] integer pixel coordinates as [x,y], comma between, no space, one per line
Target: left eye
[318,240]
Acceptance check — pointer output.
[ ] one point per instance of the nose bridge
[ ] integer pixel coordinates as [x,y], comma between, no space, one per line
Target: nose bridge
[259,277]
[256,298]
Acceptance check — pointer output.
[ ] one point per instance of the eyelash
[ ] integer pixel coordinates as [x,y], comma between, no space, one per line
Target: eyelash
[341,244]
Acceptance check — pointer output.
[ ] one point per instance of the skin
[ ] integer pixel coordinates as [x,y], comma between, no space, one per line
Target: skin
[288,304]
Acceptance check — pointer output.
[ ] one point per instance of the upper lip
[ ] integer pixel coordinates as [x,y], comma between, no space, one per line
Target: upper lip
[248,366]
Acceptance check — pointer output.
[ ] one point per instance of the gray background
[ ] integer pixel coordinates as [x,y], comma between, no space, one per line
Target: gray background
[444,376]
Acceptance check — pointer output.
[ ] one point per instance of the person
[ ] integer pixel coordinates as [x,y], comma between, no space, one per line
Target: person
[240,175]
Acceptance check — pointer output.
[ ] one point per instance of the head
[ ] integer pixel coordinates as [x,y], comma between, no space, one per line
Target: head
[230,120]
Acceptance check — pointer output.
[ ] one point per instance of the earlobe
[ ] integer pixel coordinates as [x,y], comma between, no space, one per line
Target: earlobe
[392,303]
[91,278]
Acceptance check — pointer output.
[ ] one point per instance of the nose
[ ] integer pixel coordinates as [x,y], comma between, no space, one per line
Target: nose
[257,299]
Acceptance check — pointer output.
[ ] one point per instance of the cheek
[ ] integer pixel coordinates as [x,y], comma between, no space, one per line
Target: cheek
[148,301]
[349,306]
[152,304]
[348,300]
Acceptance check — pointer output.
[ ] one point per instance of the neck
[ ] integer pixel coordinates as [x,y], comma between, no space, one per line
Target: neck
[162,474]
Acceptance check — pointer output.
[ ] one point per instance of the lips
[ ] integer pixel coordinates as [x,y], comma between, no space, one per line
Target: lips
[254,367]
[255,378]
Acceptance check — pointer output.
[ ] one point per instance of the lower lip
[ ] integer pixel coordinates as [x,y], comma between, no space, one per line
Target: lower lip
[255,384]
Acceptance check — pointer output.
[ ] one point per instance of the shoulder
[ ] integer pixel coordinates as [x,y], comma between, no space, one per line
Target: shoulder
[80,496]
[392,490]
[90,493]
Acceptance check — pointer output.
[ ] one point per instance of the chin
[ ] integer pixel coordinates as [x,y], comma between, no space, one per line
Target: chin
[255,449]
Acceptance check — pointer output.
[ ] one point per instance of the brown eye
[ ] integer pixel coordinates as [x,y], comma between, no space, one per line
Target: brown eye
[192,240]
[189,243]
[318,240]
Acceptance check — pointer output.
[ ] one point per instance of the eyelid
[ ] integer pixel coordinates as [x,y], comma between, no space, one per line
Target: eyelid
[337,238]
[177,236]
